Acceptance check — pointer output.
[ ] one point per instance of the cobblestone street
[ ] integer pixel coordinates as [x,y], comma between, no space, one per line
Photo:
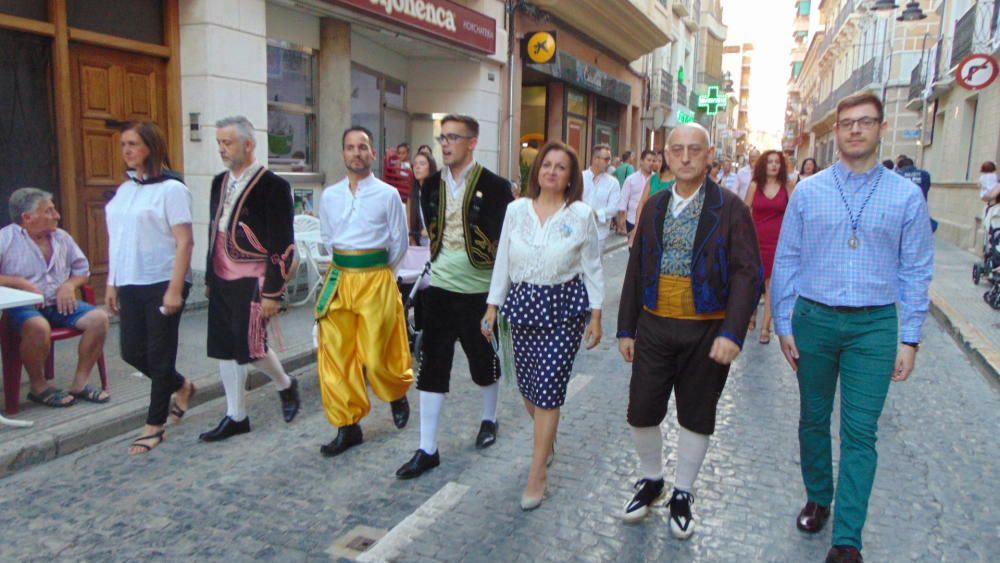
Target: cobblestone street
[270,495]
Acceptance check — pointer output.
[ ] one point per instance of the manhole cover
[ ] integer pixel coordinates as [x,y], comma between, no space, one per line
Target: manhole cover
[360,543]
[355,542]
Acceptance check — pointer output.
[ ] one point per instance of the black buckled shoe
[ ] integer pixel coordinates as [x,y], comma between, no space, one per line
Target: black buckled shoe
[347,438]
[418,464]
[400,412]
[487,434]
[227,428]
[290,401]
[647,493]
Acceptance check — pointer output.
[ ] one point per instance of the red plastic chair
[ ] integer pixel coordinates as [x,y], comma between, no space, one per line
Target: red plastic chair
[10,346]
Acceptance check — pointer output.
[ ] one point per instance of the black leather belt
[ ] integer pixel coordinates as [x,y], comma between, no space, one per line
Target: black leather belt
[844,309]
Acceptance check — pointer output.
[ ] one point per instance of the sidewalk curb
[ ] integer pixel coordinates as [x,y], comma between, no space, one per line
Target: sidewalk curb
[38,446]
[980,351]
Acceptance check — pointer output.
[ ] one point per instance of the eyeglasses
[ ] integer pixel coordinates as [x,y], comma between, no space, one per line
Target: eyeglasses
[605,158]
[449,138]
[864,122]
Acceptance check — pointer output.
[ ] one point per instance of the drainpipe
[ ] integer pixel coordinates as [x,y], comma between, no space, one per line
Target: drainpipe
[512,144]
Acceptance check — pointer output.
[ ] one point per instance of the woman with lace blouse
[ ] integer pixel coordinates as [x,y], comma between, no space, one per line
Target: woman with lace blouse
[546,281]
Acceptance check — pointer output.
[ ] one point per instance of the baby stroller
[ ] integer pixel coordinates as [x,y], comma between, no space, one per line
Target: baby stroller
[412,277]
[989,268]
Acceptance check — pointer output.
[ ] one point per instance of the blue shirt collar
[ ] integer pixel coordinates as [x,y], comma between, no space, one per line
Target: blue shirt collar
[845,175]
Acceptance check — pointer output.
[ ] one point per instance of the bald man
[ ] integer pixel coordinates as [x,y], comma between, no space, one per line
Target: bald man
[693,280]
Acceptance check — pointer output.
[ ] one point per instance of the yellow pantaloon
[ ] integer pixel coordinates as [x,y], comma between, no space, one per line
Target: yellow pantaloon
[364,328]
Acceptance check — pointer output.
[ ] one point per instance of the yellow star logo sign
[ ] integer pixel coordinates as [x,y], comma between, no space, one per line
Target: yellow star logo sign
[541,47]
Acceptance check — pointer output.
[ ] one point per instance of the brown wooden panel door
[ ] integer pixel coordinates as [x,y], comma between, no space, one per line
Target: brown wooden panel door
[109,87]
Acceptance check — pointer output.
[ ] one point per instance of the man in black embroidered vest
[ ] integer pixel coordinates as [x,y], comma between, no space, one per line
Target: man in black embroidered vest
[464,206]
[251,248]
[693,279]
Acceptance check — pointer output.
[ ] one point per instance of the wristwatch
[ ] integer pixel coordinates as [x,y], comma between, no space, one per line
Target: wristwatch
[914,345]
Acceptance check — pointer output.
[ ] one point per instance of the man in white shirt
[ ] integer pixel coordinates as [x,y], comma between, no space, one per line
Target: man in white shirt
[728,178]
[631,193]
[601,191]
[745,175]
[359,310]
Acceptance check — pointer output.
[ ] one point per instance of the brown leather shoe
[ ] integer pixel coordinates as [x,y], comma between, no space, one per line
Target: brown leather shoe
[844,554]
[812,518]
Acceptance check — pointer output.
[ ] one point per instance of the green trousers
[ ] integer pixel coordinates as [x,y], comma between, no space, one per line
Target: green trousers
[859,347]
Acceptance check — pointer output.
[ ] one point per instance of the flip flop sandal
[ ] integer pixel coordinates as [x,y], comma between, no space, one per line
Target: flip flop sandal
[178,412]
[51,397]
[90,395]
[138,443]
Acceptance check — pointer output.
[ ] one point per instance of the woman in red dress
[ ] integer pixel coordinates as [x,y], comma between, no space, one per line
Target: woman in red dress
[768,198]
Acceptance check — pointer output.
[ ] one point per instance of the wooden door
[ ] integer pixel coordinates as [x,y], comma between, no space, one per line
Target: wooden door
[109,88]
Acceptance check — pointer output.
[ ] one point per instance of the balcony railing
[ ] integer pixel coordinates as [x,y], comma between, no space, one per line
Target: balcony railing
[916,81]
[666,88]
[965,35]
[845,12]
[859,79]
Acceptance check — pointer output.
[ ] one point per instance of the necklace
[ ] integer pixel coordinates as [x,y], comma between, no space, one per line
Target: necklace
[854,242]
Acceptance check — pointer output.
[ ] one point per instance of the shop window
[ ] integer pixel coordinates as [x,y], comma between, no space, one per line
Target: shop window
[576,121]
[608,115]
[378,103]
[291,111]
[31,9]
[141,20]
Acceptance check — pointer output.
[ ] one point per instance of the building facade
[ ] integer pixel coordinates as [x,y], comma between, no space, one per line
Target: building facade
[959,128]
[738,65]
[859,49]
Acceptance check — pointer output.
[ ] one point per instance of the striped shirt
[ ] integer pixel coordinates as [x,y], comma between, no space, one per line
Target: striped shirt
[894,260]
[21,257]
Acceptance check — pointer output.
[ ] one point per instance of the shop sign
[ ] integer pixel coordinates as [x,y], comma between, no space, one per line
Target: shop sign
[911,133]
[684,116]
[443,19]
[712,102]
[587,77]
[541,47]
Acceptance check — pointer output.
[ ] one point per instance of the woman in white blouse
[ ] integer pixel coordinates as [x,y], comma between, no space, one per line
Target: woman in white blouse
[149,273]
[547,278]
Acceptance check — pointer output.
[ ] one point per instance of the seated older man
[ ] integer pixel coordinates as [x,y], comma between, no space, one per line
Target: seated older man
[37,256]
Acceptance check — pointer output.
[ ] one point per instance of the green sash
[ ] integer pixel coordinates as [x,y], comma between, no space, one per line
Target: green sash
[346,261]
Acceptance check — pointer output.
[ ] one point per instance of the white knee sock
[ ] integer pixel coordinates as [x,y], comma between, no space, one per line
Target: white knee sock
[430,412]
[649,446]
[691,449]
[491,396]
[234,379]
[271,365]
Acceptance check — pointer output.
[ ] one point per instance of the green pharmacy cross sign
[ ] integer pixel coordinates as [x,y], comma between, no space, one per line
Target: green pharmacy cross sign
[712,102]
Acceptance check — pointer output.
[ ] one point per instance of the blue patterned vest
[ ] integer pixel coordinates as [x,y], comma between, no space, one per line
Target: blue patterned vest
[678,237]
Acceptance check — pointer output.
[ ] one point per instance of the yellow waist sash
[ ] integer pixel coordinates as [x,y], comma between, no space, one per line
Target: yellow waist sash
[675,300]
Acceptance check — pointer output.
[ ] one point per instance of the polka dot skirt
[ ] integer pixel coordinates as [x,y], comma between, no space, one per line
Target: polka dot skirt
[547,323]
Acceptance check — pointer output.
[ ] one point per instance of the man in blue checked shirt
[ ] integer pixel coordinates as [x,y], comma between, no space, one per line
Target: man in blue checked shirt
[854,242]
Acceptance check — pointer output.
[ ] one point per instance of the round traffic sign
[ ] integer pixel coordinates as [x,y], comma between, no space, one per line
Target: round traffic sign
[977,71]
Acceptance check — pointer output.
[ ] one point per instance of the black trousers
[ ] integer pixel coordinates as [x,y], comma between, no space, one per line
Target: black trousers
[149,343]
[231,323]
[672,354]
[447,317]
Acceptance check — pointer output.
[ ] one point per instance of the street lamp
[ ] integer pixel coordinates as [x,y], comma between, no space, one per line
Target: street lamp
[911,13]
[884,5]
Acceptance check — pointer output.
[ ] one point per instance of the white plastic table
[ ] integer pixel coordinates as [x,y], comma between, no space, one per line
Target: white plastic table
[10,298]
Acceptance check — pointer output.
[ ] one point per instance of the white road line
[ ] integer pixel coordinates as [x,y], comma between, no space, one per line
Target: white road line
[576,384]
[395,543]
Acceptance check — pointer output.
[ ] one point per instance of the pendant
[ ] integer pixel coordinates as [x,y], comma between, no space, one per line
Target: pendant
[853,242]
